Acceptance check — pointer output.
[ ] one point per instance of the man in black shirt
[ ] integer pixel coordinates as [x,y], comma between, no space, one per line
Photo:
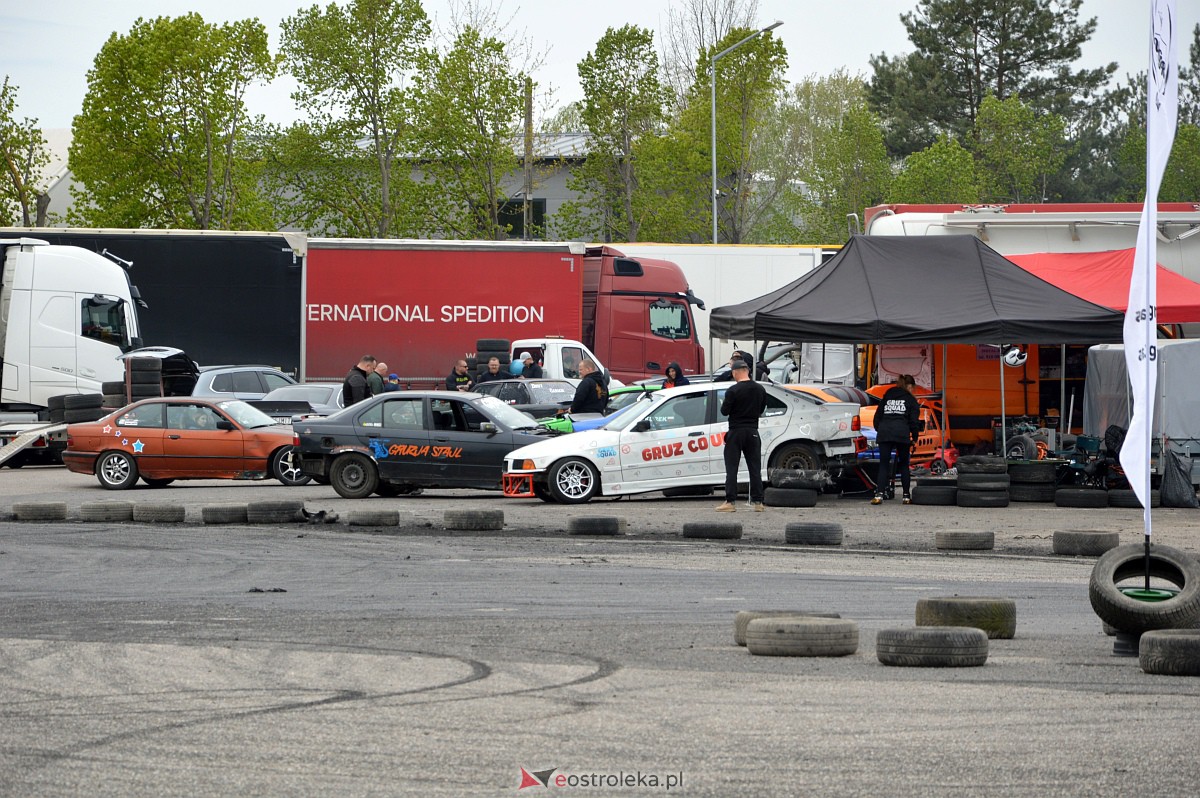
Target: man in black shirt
[459,379]
[355,387]
[591,395]
[744,402]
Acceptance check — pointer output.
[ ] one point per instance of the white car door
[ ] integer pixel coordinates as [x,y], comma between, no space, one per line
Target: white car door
[670,444]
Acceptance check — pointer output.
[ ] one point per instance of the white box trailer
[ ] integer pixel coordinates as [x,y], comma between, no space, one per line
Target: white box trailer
[1107,400]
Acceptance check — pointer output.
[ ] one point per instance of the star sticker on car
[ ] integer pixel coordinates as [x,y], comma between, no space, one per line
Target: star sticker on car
[138,446]
[107,428]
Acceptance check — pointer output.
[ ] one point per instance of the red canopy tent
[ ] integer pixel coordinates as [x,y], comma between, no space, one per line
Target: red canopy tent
[1103,279]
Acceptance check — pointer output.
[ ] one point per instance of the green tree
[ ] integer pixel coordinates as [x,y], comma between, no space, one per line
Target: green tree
[347,170]
[470,103]
[942,173]
[851,173]
[1017,150]
[623,101]
[163,139]
[966,50]
[1181,178]
[23,148]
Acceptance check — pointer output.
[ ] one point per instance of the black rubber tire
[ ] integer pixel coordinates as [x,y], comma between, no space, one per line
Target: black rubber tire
[275,511]
[932,647]
[482,359]
[981,464]
[159,513]
[492,345]
[997,617]
[156,483]
[144,364]
[791,478]
[744,617]
[473,520]
[688,491]
[983,482]
[1128,614]
[40,511]
[106,511]
[797,457]
[1031,492]
[83,415]
[373,517]
[145,378]
[981,498]
[1084,542]
[116,470]
[936,482]
[79,401]
[712,530]
[573,480]
[387,490]
[144,391]
[1028,471]
[813,533]
[285,467]
[1080,497]
[943,495]
[790,497]
[1020,447]
[1170,652]
[802,637]
[114,400]
[1125,497]
[594,525]
[57,415]
[962,540]
[113,386]
[223,514]
[354,475]
[57,402]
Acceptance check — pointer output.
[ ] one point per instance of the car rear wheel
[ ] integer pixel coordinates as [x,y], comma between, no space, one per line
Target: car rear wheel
[116,470]
[798,456]
[354,476]
[573,481]
[285,467]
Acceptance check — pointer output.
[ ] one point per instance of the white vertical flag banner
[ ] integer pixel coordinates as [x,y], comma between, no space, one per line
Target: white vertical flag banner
[1141,326]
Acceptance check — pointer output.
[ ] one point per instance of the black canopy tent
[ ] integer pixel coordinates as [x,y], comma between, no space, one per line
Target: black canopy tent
[900,289]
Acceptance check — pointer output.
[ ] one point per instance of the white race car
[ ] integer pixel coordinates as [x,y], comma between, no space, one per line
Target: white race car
[675,439]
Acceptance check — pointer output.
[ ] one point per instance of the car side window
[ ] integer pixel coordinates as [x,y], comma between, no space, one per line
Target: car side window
[775,407]
[512,393]
[273,380]
[442,413]
[223,383]
[192,417]
[571,358]
[145,416]
[404,414]
[471,417]
[682,411]
[371,417]
[246,382]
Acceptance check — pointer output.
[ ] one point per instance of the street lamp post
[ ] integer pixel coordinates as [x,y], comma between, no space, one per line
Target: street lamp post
[712,72]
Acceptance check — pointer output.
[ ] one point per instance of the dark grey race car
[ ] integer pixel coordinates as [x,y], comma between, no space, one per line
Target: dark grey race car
[396,443]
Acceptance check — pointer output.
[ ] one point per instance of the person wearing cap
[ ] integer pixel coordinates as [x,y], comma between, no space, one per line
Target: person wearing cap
[391,383]
[744,403]
[738,354]
[532,370]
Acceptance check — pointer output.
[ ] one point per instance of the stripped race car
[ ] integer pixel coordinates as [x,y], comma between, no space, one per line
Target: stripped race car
[619,400]
[675,439]
[398,443]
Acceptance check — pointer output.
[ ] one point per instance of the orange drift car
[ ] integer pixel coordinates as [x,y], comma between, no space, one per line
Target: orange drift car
[165,439]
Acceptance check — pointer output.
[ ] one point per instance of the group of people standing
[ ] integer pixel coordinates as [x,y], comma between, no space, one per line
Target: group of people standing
[460,379]
[368,377]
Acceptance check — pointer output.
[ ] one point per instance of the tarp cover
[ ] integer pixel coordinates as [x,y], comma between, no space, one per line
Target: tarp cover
[1103,278]
[897,289]
[1176,406]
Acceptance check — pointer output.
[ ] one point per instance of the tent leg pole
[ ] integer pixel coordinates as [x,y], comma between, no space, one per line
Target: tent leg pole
[1003,424]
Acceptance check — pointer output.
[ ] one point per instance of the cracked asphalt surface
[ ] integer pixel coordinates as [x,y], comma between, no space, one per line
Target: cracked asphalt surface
[141,659]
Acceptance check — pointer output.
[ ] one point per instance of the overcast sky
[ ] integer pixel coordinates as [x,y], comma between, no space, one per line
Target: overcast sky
[49,45]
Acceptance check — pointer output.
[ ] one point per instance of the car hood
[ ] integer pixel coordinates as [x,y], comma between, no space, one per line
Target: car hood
[574,443]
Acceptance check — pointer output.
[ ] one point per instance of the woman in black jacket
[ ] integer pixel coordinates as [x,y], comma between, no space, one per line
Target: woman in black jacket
[897,423]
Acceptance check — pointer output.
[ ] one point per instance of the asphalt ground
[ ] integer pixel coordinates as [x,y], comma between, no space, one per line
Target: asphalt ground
[318,659]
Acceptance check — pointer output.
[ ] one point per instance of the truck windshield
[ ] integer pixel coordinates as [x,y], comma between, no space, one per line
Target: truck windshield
[104,319]
[669,320]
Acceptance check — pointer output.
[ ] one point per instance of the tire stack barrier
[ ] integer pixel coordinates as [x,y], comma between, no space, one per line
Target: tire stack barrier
[595,525]
[743,619]
[1084,542]
[793,487]
[82,407]
[813,533]
[941,491]
[995,616]
[373,517]
[800,636]
[223,514]
[982,481]
[1081,497]
[712,530]
[960,540]
[473,520]
[55,406]
[40,511]
[1032,480]
[1124,497]
[159,513]
[143,376]
[281,511]
[932,647]
[488,348]
[106,511]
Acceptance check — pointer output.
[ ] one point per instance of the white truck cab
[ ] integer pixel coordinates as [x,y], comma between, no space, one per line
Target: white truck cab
[560,357]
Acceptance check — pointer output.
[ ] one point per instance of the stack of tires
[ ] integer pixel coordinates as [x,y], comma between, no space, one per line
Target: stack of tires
[941,491]
[73,408]
[143,378]
[982,481]
[485,350]
[1032,480]
[790,487]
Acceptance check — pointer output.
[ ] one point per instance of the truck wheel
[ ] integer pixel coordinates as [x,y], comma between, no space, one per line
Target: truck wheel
[573,481]
[354,476]
[116,470]
[798,456]
[285,467]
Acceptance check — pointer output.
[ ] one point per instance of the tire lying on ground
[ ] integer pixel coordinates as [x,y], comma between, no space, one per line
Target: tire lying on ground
[932,647]
[688,490]
[1084,542]
[743,619]
[274,511]
[813,533]
[790,497]
[40,511]
[1031,492]
[943,495]
[797,478]
[712,530]
[223,514]
[1081,497]
[995,616]
[473,520]
[1124,497]
[983,481]
[802,637]
[373,517]
[981,498]
[594,525]
[159,513]
[1127,564]
[106,511]
[1031,471]
[1170,652]
[964,540]
[937,482]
